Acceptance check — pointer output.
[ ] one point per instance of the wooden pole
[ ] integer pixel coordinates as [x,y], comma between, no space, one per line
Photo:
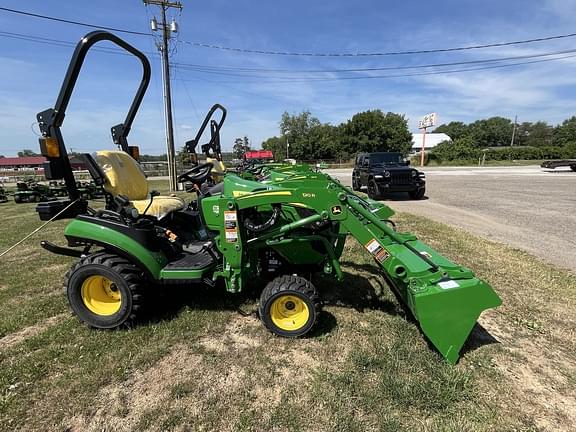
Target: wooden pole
[423,148]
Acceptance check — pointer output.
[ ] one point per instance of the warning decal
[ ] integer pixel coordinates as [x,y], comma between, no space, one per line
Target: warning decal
[231,226]
[377,250]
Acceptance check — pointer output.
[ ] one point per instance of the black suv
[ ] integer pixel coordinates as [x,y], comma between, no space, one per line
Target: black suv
[387,172]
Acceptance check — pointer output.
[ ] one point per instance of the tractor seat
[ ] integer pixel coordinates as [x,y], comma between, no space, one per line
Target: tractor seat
[124,176]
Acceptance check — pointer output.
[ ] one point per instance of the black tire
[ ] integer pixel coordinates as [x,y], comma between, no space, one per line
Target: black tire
[417,194]
[17,199]
[356,186]
[373,190]
[289,306]
[126,281]
[573,167]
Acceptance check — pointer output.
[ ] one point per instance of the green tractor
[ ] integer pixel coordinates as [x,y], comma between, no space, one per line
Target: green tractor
[57,188]
[29,191]
[269,228]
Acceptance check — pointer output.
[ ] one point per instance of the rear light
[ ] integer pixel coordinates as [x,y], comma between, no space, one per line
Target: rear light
[49,147]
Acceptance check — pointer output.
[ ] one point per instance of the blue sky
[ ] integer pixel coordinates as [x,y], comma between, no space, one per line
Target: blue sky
[31,73]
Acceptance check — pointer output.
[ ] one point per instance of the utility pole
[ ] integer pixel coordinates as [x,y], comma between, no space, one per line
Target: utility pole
[514,131]
[167,29]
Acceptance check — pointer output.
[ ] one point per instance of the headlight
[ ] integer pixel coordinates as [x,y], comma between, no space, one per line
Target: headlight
[377,176]
[414,173]
[386,173]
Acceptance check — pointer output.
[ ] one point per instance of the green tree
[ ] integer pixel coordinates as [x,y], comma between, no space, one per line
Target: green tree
[241,146]
[455,130]
[297,129]
[183,156]
[566,132]
[27,153]
[539,134]
[461,149]
[492,132]
[374,131]
[277,145]
[153,158]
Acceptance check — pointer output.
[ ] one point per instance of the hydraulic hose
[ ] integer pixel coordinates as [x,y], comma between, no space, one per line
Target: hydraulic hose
[253,227]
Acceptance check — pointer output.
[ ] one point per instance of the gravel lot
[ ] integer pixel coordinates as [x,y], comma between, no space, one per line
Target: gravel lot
[526,207]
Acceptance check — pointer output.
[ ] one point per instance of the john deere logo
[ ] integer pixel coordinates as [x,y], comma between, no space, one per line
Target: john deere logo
[336,210]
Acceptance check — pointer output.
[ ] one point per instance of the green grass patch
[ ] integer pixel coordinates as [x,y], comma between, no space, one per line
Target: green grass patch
[199,365]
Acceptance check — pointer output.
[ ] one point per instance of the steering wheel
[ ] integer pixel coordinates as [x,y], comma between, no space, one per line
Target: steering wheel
[198,174]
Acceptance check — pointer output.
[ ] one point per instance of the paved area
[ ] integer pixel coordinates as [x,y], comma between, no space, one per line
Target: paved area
[526,207]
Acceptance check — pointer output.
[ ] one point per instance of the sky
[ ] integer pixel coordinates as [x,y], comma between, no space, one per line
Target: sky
[31,73]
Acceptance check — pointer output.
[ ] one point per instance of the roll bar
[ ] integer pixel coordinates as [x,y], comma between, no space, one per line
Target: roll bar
[50,120]
[215,126]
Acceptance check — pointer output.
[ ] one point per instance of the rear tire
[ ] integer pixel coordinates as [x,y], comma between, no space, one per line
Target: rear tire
[417,194]
[289,306]
[373,190]
[17,199]
[105,291]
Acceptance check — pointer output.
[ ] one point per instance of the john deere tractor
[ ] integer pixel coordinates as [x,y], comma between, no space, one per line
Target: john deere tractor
[268,229]
[29,191]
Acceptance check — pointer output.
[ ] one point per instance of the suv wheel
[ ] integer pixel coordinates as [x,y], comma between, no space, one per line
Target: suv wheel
[373,190]
[356,186]
[417,194]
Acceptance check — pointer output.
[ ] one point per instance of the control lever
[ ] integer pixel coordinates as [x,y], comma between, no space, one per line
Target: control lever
[152,195]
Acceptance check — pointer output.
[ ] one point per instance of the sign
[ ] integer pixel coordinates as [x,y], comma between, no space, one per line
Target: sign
[427,121]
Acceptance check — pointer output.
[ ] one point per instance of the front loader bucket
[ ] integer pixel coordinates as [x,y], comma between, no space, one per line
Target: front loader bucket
[448,315]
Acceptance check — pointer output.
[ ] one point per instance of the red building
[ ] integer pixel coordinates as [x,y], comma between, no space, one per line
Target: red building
[28,163]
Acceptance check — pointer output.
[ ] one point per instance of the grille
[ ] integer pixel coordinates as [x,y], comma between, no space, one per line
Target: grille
[400,178]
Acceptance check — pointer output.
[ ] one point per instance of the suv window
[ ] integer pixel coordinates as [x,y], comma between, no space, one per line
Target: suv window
[386,158]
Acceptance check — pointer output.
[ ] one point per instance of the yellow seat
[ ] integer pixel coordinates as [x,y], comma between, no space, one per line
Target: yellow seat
[124,176]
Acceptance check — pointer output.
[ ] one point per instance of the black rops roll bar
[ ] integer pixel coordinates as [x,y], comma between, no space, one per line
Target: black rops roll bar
[215,126]
[50,120]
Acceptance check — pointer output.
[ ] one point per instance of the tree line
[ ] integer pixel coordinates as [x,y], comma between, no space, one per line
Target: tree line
[305,137]
[497,138]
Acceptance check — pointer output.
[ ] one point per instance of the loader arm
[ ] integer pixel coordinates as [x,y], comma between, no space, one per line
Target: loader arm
[446,299]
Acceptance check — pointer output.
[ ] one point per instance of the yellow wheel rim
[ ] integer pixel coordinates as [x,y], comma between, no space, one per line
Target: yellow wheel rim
[101,296]
[289,313]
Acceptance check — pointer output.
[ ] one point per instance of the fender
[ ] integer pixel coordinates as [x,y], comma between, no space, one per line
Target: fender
[79,231]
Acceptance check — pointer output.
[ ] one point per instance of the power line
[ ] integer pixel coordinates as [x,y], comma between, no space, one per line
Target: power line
[208,68]
[377,54]
[62,43]
[303,54]
[245,72]
[83,24]
[452,71]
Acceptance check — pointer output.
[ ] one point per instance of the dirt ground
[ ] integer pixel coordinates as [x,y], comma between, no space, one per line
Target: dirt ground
[525,207]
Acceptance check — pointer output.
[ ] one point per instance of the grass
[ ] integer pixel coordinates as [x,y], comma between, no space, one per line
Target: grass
[200,365]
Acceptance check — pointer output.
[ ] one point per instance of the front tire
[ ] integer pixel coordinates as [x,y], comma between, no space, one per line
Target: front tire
[289,306]
[356,186]
[417,194]
[105,291]
[573,167]
[17,199]
[373,190]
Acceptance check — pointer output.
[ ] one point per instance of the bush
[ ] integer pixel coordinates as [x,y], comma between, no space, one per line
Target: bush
[460,149]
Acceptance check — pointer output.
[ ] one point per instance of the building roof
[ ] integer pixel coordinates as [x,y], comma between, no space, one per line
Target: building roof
[432,140]
[21,161]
